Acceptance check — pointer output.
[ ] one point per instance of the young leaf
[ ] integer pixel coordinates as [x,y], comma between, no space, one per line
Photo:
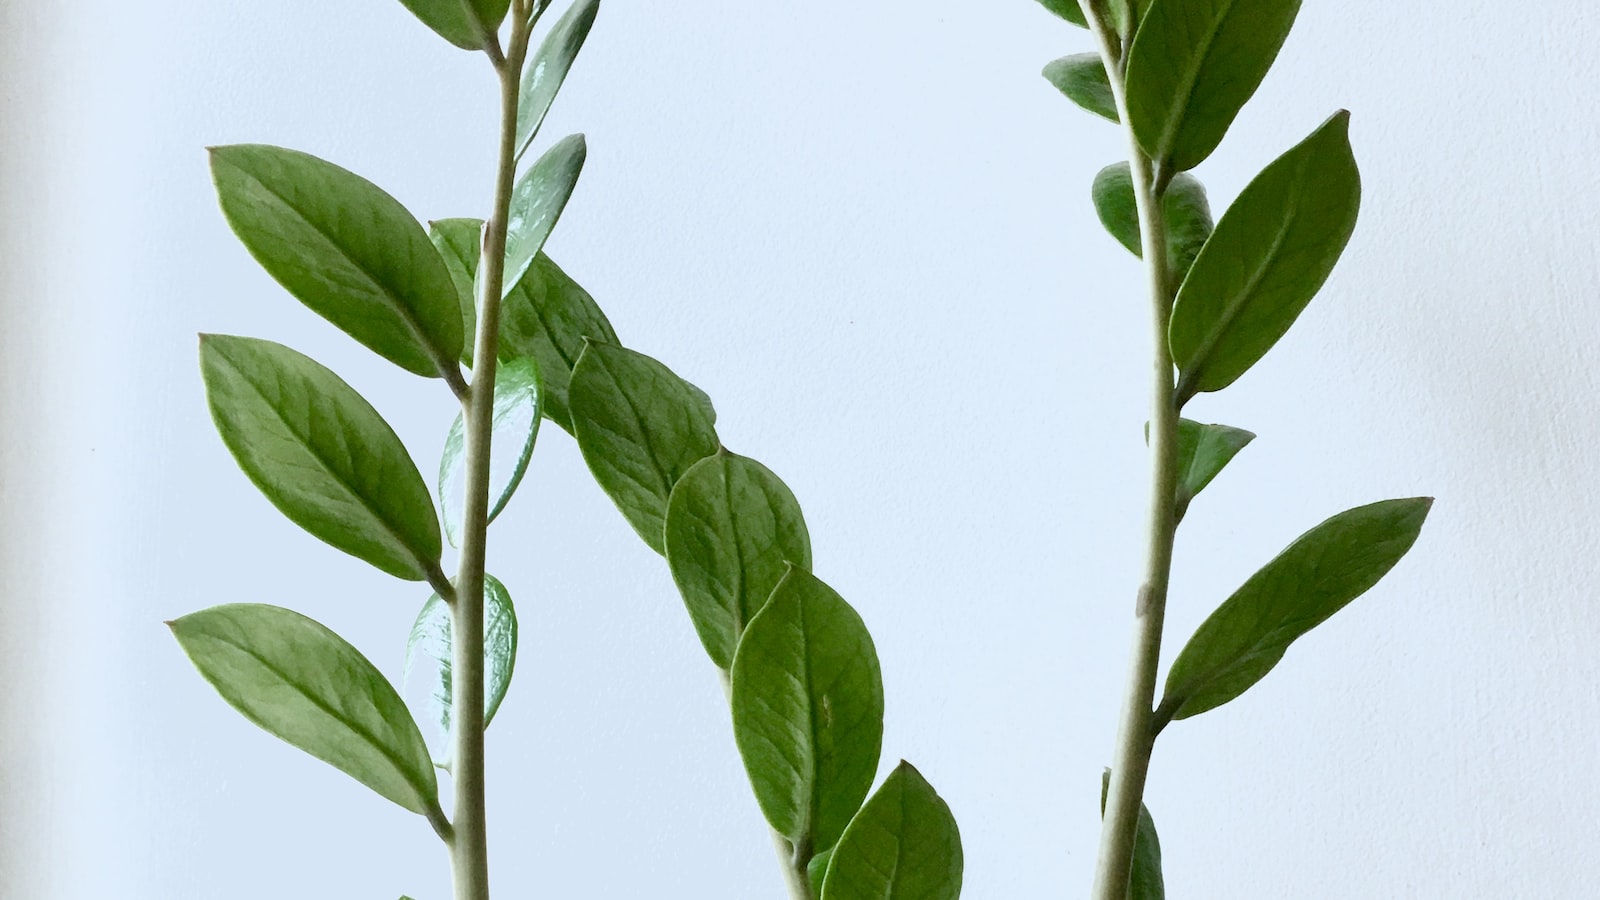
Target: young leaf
[1193,65]
[1082,78]
[460,243]
[1145,881]
[545,70]
[640,427]
[1203,451]
[1066,9]
[454,20]
[306,685]
[320,453]
[817,871]
[1318,575]
[546,318]
[1184,210]
[537,202]
[732,529]
[345,249]
[515,426]
[1271,253]
[808,711]
[903,845]
[429,652]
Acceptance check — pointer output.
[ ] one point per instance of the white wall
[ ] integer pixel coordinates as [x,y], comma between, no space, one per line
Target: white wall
[864,228]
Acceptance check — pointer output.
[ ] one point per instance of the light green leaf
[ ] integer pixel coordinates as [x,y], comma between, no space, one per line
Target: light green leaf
[515,426]
[808,711]
[345,249]
[429,654]
[306,685]
[1185,212]
[536,205]
[320,453]
[460,243]
[1082,78]
[453,20]
[1145,881]
[547,318]
[1066,9]
[903,845]
[546,69]
[640,427]
[732,529]
[1203,451]
[1193,65]
[1318,575]
[817,871]
[1271,253]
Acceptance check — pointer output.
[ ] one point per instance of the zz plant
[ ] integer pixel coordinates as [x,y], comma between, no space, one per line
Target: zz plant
[1174,74]
[478,306]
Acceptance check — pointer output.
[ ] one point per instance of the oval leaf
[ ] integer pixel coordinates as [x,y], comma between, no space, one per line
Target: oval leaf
[345,249]
[903,845]
[1318,575]
[306,685]
[1185,211]
[1203,452]
[547,318]
[460,243]
[732,529]
[1082,78]
[1193,65]
[1066,9]
[455,20]
[515,427]
[545,70]
[430,657]
[320,453]
[1145,881]
[536,204]
[640,428]
[1271,253]
[808,711]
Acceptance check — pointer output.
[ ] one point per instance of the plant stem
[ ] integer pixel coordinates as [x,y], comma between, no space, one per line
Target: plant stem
[469,850]
[796,875]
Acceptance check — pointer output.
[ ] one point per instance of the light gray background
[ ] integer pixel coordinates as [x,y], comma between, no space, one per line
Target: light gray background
[863,227]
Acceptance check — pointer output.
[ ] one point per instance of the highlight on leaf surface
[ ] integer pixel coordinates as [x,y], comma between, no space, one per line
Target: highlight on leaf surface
[430,661]
[536,204]
[902,845]
[1185,212]
[547,68]
[1082,78]
[1145,881]
[514,429]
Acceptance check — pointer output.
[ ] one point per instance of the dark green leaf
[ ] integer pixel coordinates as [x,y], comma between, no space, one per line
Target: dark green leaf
[1082,77]
[460,243]
[1066,9]
[429,652]
[640,428]
[903,845]
[1185,212]
[490,13]
[1193,65]
[306,685]
[515,426]
[537,202]
[546,318]
[320,453]
[1318,575]
[545,70]
[1203,451]
[732,529]
[808,711]
[1271,253]
[1145,882]
[344,248]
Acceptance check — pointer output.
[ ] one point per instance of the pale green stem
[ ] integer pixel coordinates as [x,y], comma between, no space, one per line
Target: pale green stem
[796,875]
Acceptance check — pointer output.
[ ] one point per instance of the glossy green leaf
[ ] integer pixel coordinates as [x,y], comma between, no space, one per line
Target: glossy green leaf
[903,845]
[1271,253]
[345,249]
[306,685]
[1066,9]
[460,243]
[1318,575]
[320,453]
[514,429]
[1145,881]
[1082,78]
[1193,65]
[640,427]
[536,205]
[732,530]
[547,68]
[546,318]
[429,658]
[454,20]
[1203,451]
[1185,211]
[808,711]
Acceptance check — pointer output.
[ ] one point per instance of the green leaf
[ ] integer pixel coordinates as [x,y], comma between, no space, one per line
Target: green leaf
[306,685]
[1082,78]
[808,711]
[817,871]
[545,70]
[903,845]
[732,529]
[1184,210]
[547,318]
[1193,65]
[640,427]
[1203,451]
[1145,882]
[320,453]
[1066,9]
[345,249]
[515,426]
[1318,575]
[460,243]
[537,202]
[430,649]
[454,20]
[490,13]
[1271,253]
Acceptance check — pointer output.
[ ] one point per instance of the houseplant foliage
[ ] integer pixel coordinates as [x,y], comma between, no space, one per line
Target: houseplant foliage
[1173,74]
[478,305]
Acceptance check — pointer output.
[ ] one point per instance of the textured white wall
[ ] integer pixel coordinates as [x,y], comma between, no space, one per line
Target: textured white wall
[864,229]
